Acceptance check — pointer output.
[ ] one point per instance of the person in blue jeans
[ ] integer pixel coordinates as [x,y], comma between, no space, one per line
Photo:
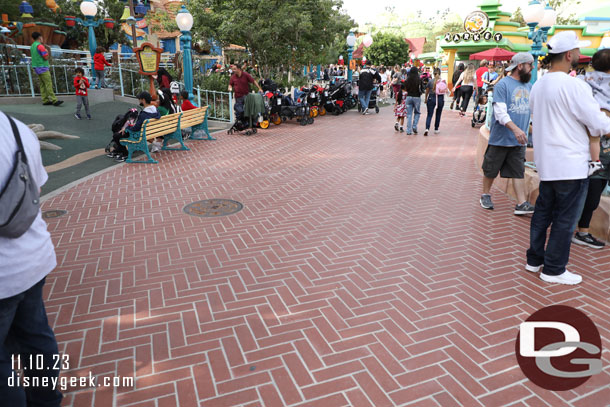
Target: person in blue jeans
[434,100]
[561,106]
[25,262]
[366,81]
[413,101]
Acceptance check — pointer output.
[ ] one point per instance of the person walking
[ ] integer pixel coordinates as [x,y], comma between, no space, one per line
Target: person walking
[400,108]
[561,106]
[483,67]
[25,260]
[240,82]
[413,101]
[456,88]
[489,79]
[40,63]
[468,82]
[435,98]
[505,152]
[367,77]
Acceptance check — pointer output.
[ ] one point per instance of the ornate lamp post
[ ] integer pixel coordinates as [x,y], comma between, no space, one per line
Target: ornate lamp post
[351,41]
[89,10]
[536,14]
[184,20]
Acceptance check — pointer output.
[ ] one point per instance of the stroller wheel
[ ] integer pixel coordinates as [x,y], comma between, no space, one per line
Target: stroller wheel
[254,131]
[229,131]
[304,121]
[336,112]
[264,124]
[359,108]
[310,121]
[376,109]
[277,120]
[284,118]
[322,111]
[313,112]
[472,123]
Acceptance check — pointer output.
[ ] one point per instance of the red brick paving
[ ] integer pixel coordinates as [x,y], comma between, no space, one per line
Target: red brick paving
[361,272]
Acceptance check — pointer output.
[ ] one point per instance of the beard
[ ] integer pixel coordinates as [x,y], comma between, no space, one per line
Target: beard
[524,76]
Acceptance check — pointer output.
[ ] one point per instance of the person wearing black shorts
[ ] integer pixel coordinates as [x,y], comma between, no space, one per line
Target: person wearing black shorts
[505,152]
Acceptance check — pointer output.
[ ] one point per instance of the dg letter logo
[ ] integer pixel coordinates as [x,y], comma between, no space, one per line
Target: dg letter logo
[559,348]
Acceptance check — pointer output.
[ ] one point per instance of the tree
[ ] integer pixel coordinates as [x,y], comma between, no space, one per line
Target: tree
[275,32]
[517,17]
[387,49]
[562,7]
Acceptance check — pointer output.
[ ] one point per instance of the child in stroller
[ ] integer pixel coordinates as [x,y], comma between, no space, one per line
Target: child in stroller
[480,111]
[114,149]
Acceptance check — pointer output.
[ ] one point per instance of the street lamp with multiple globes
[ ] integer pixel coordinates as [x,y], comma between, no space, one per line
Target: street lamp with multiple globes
[184,20]
[351,41]
[536,14]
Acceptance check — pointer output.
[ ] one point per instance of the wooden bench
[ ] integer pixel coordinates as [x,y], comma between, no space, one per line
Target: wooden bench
[167,126]
[197,120]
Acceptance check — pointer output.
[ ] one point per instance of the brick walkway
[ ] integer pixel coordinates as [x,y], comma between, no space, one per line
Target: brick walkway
[361,272]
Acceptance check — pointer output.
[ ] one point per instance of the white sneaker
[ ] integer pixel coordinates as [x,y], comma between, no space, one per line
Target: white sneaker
[564,278]
[533,269]
[436,131]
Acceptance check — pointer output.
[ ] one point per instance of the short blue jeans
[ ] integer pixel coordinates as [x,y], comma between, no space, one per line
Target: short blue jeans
[559,205]
[25,331]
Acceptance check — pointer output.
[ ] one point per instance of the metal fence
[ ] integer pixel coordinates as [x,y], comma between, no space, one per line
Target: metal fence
[20,80]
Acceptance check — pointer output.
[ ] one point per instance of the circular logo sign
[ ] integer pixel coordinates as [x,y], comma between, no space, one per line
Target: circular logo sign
[457,37]
[476,22]
[466,36]
[487,36]
[498,37]
[559,348]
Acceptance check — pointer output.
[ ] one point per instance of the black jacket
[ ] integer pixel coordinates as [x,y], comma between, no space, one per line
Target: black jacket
[456,76]
[367,76]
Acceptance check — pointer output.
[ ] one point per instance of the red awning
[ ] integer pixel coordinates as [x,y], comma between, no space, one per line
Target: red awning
[494,54]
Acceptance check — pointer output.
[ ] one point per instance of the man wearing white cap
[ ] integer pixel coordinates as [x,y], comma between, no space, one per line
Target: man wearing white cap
[507,136]
[561,108]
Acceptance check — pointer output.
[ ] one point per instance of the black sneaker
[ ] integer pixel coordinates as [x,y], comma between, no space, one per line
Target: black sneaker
[47,103]
[486,201]
[524,209]
[120,158]
[77,116]
[59,102]
[588,240]
[396,126]
[414,131]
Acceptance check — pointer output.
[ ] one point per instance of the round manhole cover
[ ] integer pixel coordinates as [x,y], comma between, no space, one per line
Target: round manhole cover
[213,207]
[53,213]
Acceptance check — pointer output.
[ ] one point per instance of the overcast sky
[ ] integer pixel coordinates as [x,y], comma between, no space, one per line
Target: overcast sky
[365,11]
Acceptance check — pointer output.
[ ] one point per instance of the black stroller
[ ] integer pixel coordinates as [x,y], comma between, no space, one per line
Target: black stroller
[119,123]
[247,120]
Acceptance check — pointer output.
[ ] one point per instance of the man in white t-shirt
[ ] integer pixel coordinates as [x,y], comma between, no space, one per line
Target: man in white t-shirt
[561,108]
[24,264]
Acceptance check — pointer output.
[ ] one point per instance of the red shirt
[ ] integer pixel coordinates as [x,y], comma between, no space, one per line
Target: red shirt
[187,105]
[479,74]
[241,84]
[99,62]
[81,89]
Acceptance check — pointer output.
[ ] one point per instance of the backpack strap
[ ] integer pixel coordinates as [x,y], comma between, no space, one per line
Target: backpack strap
[17,138]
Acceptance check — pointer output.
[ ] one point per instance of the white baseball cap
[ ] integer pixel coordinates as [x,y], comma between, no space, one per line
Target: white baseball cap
[565,41]
[520,58]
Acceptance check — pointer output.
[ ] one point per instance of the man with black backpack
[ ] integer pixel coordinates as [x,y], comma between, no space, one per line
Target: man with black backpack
[27,255]
[367,77]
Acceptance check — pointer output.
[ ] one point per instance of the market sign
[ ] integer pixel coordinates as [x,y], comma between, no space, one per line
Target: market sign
[476,25]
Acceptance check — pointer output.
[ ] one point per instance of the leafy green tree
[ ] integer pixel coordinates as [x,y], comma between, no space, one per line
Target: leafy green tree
[275,32]
[387,49]
[517,17]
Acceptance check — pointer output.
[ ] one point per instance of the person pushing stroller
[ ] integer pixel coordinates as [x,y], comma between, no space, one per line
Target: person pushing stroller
[240,84]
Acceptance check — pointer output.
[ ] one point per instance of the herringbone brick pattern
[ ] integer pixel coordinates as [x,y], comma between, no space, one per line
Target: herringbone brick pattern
[361,272]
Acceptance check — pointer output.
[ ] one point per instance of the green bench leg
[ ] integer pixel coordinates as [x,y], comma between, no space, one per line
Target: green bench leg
[177,135]
[132,148]
[203,126]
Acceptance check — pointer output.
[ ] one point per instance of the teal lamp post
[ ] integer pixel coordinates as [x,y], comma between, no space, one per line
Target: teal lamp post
[89,10]
[184,20]
[351,41]
[536,14]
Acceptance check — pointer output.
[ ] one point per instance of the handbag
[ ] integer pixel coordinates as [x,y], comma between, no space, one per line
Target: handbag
[19,199]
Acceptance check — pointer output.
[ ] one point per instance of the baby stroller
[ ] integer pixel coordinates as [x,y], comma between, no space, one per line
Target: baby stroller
[338,97]
[372,100]
[479,116]
[120,122]
[249,115]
